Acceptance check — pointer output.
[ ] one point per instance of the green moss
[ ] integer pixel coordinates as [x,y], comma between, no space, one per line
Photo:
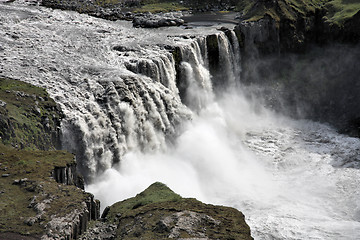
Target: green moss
[36,167]
[30,117]
[140,217]
[338,11]
[156,193]
[156,7]
[231,221]
[105,3]
[28,121]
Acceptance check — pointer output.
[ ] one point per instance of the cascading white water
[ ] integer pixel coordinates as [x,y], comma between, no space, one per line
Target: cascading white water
[285,175]
[229,58]
[195,75]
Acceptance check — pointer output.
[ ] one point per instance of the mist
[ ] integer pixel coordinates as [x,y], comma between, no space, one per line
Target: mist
[292,179]
[279,172]
[320,84]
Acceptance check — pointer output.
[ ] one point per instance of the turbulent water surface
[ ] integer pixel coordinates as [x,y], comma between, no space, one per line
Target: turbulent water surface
[127,122]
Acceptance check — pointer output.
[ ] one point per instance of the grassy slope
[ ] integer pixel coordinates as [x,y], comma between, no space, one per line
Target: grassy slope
[337,11]
[34,165]
[156,6]
[341,10]
[139,216]
[156,193]
[27,112]
[161,7]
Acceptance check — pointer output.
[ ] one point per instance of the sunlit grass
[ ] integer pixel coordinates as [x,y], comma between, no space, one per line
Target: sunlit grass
[341,10]
[337,11]
[161,7]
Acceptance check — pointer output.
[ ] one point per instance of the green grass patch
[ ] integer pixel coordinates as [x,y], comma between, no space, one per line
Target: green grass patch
[14,209]
[156,193]
[35,166]
[338,11]
[244,6]
[161,7]
[140,217]
[28,120]
[30,116]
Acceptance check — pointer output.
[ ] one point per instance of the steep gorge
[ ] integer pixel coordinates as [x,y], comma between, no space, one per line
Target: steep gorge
[146,105]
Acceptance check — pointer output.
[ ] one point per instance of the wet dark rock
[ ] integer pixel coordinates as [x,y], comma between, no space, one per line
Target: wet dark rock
[68,175]
[260,37]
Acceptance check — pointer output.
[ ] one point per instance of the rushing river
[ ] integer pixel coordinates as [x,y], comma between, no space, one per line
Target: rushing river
[128,125]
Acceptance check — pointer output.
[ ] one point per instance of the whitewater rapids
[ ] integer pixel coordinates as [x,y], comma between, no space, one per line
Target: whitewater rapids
[291,179]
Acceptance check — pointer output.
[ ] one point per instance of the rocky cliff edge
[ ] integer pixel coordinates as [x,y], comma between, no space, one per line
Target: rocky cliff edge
[159,213]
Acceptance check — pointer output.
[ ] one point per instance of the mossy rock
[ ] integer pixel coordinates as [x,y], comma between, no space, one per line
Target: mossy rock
[34,198]
[159,213]
[29,118]
[26,184]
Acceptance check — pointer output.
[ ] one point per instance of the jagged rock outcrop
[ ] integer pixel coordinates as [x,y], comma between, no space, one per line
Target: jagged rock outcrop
[159,213]
[42,194]
[72,225]
[34,204]
[68,175]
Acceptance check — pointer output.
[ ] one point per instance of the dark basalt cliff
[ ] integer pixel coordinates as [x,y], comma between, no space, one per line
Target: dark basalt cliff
[304,57]
[159,213]
[279,26]
[41,193]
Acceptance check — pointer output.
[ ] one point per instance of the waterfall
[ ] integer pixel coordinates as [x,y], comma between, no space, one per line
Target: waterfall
[229,58]
[195,76]
[146,105]
[127,114]
[117,96]
[161,69]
